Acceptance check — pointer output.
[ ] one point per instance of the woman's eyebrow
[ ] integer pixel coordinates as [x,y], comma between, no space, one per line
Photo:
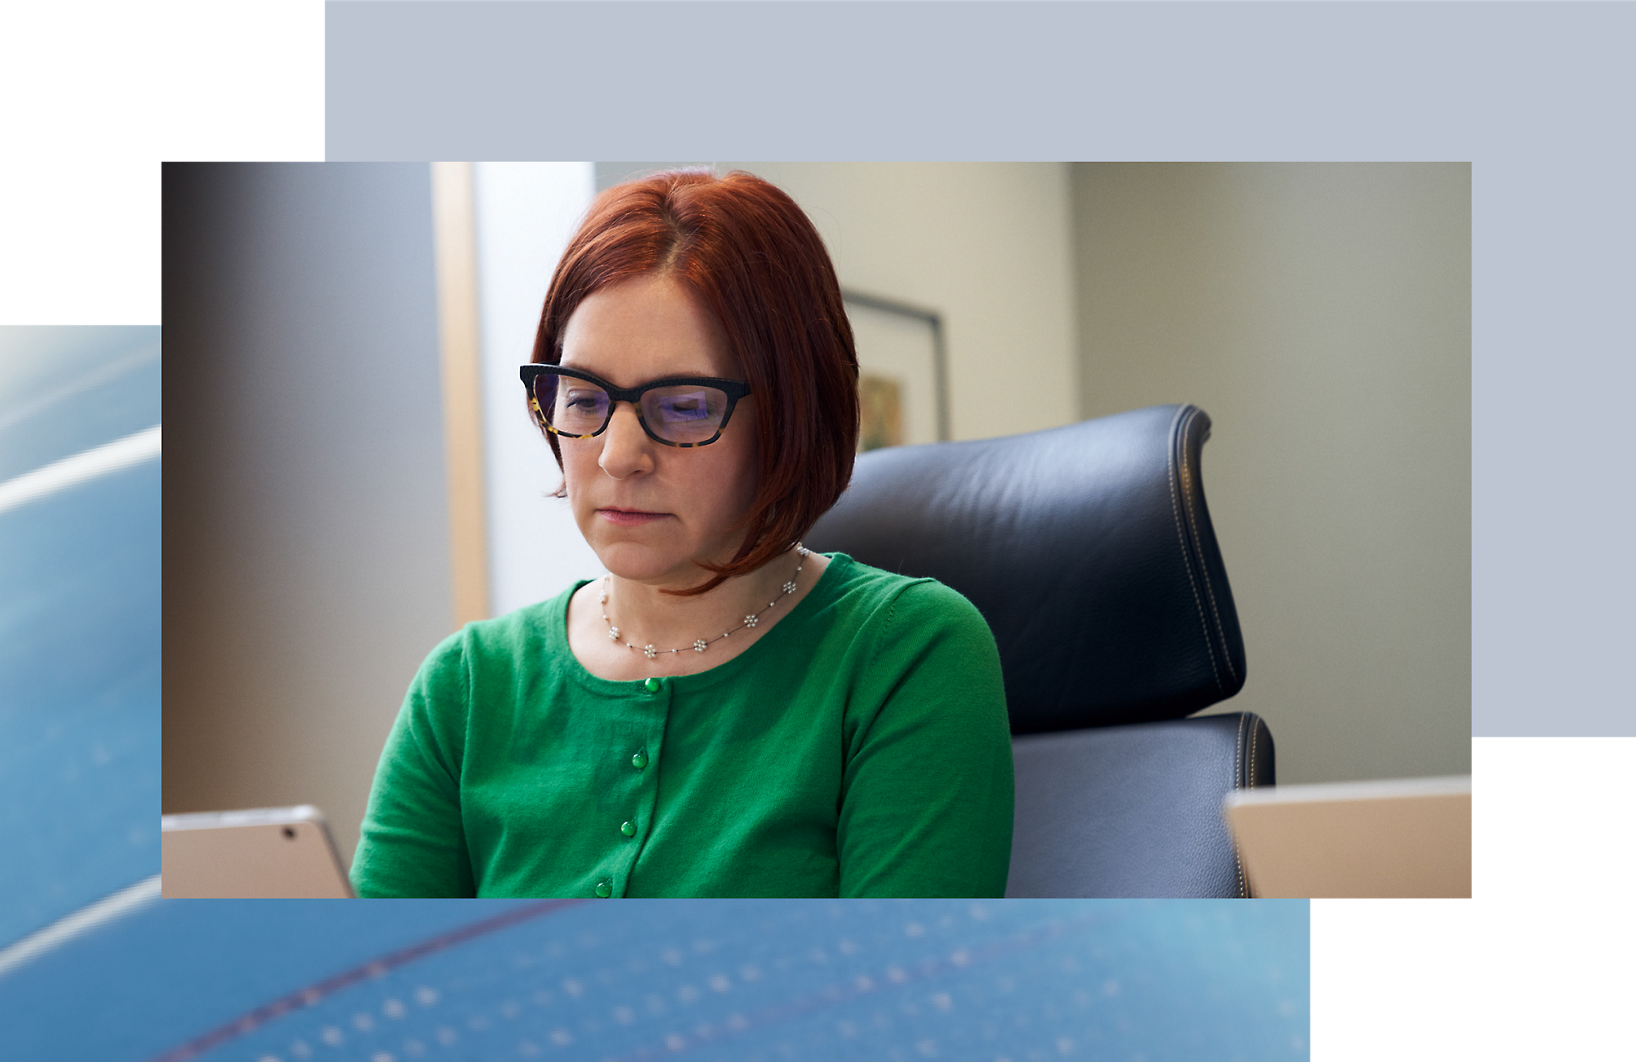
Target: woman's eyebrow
[702,374]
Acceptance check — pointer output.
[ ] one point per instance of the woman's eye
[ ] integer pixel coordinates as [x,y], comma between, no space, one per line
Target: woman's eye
[684,407]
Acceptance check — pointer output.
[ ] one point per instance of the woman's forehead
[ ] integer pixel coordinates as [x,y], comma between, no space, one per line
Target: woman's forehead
[642,329]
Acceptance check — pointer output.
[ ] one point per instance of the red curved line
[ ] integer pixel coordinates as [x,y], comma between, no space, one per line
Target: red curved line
[306,997]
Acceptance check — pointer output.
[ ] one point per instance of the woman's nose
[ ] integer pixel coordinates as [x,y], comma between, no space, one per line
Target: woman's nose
[626,448]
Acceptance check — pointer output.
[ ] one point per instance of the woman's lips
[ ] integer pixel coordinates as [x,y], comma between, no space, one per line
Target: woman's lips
[627,516]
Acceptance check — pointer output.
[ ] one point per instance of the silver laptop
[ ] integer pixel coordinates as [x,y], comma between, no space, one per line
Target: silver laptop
[261,852]
[1408,838]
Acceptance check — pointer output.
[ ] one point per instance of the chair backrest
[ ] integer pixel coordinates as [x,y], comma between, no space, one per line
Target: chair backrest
[1090,552]
[1087,548]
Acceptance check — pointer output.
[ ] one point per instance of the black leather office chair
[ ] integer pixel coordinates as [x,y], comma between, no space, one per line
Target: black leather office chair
[1089,551]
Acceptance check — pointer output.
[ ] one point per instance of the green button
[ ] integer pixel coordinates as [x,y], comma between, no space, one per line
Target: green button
[640,760]
[652,684]
[604,890]
[628,829]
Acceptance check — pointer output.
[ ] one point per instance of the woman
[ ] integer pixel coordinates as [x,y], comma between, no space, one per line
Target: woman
[725,713]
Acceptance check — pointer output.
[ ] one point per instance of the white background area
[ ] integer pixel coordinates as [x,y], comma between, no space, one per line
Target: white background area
[1535,968]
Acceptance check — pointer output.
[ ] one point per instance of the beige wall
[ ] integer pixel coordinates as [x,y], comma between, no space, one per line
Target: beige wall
[1320,313]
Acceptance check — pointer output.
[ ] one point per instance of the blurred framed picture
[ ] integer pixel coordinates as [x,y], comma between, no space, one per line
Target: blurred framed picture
[902,382]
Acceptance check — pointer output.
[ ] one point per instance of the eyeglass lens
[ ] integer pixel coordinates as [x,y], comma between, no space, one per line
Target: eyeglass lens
[685,413]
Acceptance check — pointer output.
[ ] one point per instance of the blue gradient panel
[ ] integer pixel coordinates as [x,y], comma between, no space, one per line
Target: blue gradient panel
[725,981]
[79,626]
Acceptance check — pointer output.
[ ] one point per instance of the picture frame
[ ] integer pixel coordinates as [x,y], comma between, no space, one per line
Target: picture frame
[902,371]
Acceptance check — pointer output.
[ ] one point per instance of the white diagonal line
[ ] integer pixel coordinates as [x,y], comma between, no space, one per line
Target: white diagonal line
[66,929]
[70,471]
[81,384]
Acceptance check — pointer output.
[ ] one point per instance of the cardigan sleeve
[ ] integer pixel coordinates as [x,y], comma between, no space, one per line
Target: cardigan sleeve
[926,802]
[413,842]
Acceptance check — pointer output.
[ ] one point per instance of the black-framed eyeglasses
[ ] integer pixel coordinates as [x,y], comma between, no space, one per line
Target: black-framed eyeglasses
[676,411]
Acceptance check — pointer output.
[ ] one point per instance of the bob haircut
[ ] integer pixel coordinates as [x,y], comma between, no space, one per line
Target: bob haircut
[753,260]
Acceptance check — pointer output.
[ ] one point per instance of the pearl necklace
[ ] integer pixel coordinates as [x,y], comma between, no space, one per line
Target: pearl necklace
[700,645]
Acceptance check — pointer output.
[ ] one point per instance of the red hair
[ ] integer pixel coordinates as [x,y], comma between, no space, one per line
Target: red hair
[755,263]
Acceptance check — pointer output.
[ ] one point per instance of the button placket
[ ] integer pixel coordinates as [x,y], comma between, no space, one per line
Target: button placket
[651,697]
[639,760]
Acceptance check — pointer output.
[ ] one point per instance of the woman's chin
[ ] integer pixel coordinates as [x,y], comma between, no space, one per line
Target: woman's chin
[667,563]
[641,562]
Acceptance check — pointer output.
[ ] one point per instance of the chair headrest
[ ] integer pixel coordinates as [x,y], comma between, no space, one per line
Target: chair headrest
[1087,548]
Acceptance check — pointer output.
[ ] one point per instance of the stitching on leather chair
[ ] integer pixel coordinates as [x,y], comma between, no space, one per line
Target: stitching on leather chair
[1192,520]
[1181,540]
[1238,751]
[1255,730]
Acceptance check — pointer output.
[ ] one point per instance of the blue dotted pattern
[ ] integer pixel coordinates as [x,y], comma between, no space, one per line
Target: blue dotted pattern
[724,981]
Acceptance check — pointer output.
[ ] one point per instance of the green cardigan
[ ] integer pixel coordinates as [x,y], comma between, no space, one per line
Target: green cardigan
[860,748]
